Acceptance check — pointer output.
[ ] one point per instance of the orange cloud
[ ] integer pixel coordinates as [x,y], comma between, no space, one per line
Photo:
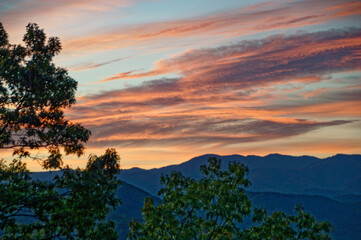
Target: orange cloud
[316,92]
[250,92]
[22,9]
[275,58]
[347,9]
[331,109]
[261,17]
[247,96]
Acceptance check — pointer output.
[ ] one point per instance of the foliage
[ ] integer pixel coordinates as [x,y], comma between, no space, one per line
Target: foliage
[73,206]
[215,207]
[33,94]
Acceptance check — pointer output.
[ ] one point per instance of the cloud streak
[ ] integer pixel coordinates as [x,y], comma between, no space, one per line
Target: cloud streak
[243,21]
[295,85]
[232,94]
[88,66]
[260,61]
[13,11]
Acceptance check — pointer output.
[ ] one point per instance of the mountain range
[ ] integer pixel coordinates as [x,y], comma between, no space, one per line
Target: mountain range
[328,188]
[332,176]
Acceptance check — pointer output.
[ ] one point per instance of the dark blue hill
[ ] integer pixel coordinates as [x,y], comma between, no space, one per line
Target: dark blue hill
[132,202]
[345,217]
[329,188]
[337,175]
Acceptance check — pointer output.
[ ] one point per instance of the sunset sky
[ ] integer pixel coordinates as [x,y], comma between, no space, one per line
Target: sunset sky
[163,81]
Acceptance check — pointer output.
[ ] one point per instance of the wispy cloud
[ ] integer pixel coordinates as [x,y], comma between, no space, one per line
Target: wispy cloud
[231,94]
[88,66]
[243,21]
[260,61]
[282,89]
[15,12]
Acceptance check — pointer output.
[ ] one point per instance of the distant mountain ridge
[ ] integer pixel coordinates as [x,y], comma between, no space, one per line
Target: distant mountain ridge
[332,176]
[336,175]
[329,188]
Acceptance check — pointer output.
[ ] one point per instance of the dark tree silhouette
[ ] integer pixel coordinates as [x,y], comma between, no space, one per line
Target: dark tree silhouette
[215,207]
[33,94]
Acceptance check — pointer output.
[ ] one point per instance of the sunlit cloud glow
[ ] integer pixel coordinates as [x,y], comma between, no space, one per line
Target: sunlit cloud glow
[162,83]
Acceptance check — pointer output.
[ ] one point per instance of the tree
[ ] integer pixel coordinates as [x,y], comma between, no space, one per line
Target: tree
[72,206]
[33,94]
[215,207]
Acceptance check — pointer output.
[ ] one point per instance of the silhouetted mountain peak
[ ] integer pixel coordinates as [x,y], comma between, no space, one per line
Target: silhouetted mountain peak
[134,169]
[346,156]
[275,155]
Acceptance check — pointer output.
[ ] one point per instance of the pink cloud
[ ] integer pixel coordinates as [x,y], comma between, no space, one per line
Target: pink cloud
[24,9]
[260,61]
[259,18]
[229,95]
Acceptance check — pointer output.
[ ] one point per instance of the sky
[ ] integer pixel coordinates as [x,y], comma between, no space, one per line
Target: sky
[163,81]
